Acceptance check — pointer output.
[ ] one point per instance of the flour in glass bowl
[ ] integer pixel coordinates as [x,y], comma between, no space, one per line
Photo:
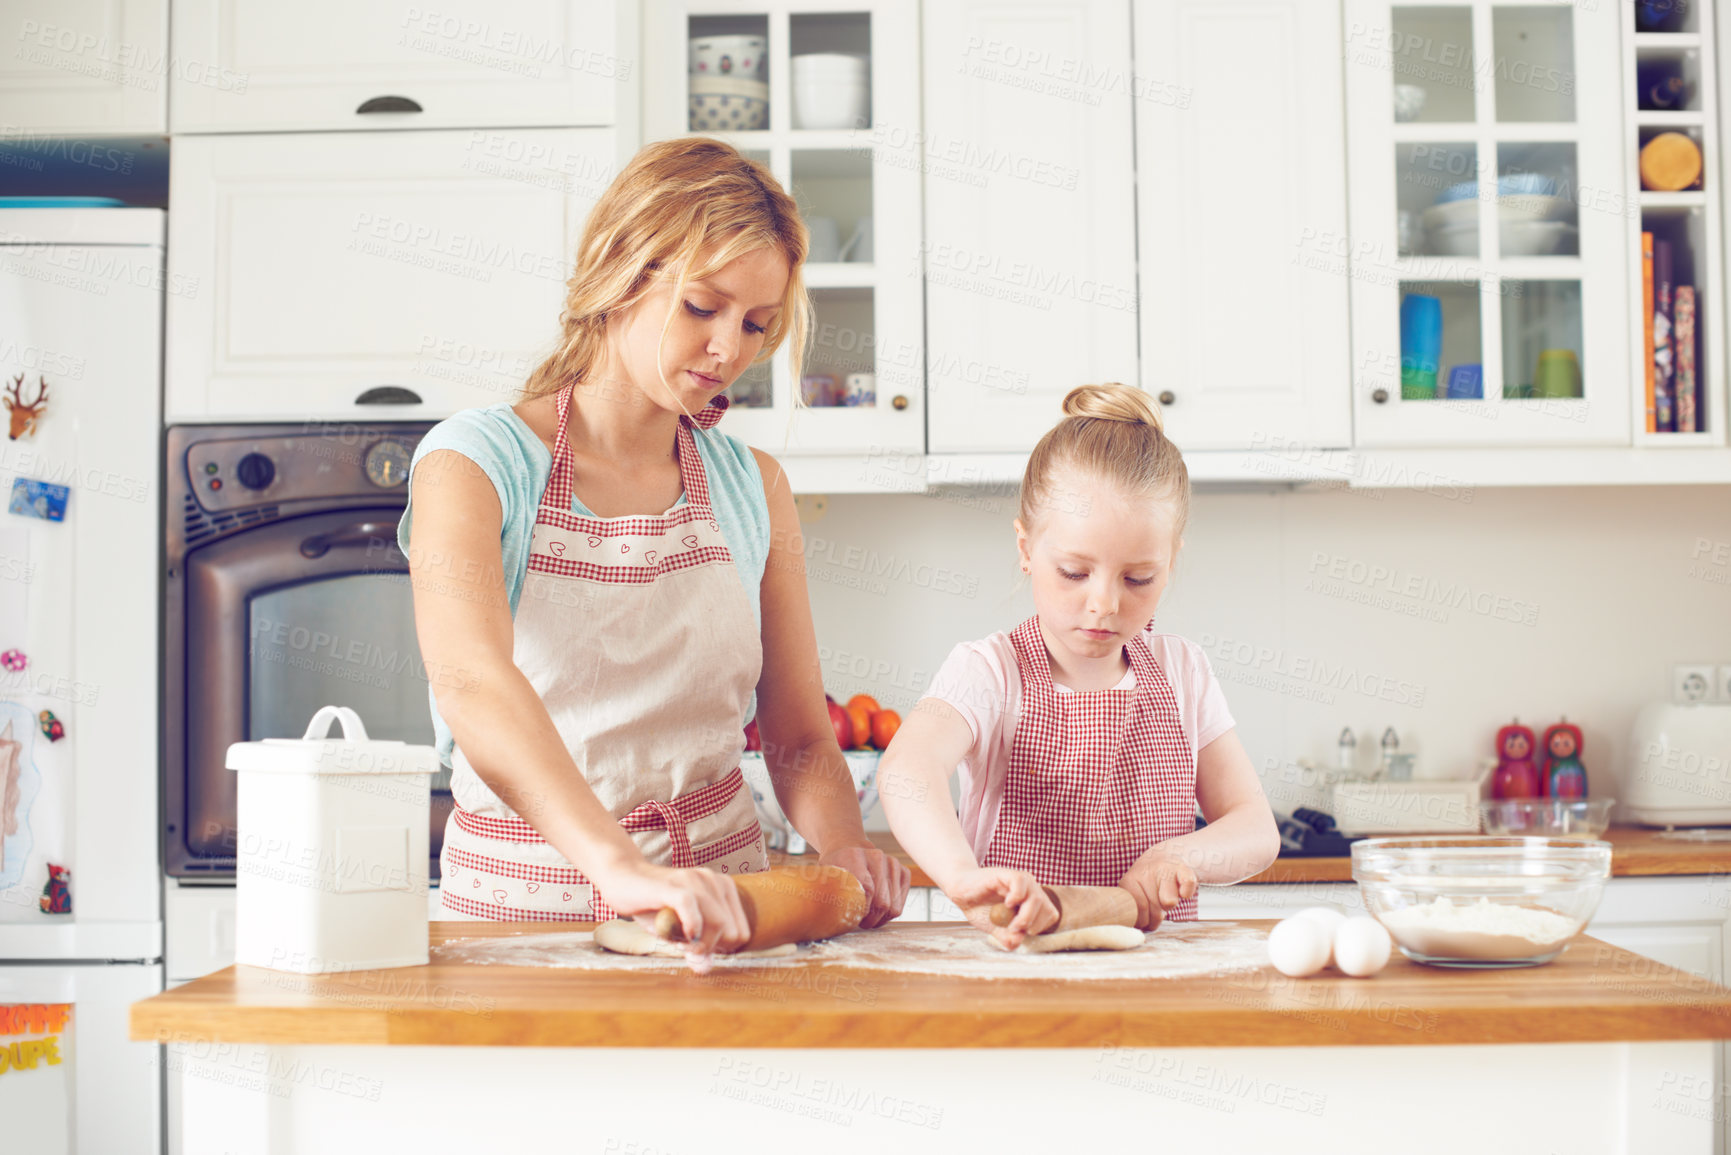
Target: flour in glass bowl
[1443,928]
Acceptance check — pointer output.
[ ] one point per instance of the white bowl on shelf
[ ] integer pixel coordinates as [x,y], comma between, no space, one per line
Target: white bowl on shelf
[1408,102]
[1521,238]
[831,90]
[1460,240]
[741,57]
[728,104]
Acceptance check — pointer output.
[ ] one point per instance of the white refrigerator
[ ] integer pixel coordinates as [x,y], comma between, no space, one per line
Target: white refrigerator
[81,294]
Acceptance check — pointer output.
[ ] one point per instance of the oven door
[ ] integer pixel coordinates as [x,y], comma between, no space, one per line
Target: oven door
[281,620]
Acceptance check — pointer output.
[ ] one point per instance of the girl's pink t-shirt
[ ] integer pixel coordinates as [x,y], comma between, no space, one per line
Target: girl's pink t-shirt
[981,682]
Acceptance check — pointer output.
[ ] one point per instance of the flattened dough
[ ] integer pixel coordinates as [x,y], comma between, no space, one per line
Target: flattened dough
[1087,938]
[626,936]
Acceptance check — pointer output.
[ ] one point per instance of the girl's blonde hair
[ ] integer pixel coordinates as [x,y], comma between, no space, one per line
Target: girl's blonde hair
[1111,432]
[681,209]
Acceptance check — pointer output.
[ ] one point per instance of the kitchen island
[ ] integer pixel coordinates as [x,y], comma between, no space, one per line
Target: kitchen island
[1601,1050]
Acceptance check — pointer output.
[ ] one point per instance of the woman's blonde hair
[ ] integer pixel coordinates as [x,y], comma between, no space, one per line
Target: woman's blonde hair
[681,209]
[1113,433]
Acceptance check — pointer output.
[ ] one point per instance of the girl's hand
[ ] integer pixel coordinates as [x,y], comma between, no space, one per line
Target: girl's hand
[884,878]
[707,903]
[978,890]
[1158,882]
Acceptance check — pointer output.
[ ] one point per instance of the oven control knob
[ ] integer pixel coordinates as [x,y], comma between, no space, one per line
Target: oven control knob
[256,471]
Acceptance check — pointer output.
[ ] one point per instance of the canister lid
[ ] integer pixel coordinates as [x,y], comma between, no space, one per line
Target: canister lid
[353,753]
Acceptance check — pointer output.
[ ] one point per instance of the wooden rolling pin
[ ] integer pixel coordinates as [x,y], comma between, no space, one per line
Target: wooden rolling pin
[1079,906]
[788,904]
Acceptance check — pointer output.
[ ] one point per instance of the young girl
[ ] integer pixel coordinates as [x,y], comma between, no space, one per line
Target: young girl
[607,587]
[1085,743]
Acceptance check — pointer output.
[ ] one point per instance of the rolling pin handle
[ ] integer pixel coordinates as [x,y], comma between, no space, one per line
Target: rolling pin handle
[667,925]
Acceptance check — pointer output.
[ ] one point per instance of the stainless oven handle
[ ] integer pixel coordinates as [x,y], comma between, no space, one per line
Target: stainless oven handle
[365,533]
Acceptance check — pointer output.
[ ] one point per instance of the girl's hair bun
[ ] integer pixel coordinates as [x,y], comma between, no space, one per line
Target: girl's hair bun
[1113,402]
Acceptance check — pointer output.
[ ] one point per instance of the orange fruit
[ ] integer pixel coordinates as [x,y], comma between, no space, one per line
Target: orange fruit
[862,723]
[866,700]
[885,723]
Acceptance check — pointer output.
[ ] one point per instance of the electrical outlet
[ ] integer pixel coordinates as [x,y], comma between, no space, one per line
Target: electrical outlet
[1694,683]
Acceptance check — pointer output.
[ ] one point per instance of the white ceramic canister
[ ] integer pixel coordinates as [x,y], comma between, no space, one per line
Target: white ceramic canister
[331,849]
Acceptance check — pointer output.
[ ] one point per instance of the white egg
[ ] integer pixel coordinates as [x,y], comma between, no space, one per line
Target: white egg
[1326,917]
[1361,946]
[1298,947]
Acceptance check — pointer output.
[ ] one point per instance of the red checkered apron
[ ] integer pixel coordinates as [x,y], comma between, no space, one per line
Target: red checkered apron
[640,639]
[1096,777]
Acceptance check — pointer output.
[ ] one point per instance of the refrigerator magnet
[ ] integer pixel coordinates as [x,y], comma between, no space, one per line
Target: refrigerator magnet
[25,414]
[57,895]
[40,499]
[52,728]
[14,660]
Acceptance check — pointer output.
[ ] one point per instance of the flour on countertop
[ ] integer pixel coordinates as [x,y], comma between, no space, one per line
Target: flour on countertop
[1176,950]
[1479,930]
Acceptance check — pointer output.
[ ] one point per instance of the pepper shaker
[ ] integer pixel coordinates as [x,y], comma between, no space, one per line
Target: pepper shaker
[1346,754]
[1390,747]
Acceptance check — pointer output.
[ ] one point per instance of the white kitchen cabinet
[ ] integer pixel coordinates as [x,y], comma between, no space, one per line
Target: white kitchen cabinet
[85,67]
[259,65]
[1241,222]
[1030,247]
[859,190]
[319,276]
[1515,302]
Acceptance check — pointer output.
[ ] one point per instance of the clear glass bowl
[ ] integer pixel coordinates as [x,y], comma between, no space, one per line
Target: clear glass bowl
[1481,901]
[1548,817]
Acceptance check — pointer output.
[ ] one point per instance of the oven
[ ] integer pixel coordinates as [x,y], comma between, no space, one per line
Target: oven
[285,592]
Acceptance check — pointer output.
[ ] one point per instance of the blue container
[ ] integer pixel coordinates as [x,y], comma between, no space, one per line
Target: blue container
[1466,383]
[1420,346]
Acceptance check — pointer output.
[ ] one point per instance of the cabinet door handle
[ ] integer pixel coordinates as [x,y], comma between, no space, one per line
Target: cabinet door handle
[388,395]
[388,104]
[1380,396]
[1167,397]
[899,401]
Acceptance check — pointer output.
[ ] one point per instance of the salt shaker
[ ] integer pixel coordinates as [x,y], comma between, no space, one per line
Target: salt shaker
[1390,747]
[1346,751]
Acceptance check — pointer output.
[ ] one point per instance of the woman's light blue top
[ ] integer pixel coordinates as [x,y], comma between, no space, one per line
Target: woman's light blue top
[514,457]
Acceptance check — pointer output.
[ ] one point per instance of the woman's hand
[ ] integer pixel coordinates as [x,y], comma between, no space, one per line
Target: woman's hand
[1158,881]
[884,878]
[978,890]
[708,905]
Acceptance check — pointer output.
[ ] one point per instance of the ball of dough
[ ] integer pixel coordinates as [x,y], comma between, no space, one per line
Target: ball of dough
[1299,946]
[1361,946]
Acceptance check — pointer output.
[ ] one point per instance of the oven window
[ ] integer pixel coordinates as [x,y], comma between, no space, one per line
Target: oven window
[343,641]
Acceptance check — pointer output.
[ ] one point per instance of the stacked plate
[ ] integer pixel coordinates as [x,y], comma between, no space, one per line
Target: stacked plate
[728,90]
[1532,220]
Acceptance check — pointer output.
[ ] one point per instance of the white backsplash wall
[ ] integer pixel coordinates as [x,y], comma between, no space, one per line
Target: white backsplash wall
[1444,615]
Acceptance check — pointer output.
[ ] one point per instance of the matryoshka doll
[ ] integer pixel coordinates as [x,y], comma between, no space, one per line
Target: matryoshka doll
[1517,776]
[1564,776]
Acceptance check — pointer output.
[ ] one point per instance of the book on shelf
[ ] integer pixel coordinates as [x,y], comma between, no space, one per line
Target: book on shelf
[1683,342]
[1647,321]
[1664,368]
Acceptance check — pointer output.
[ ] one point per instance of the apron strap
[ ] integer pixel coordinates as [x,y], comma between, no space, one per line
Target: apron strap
[672,816]
[562,480]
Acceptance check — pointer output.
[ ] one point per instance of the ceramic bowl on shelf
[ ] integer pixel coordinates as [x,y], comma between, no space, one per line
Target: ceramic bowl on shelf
[1479,901]
[1534,207]
[1408,102]
[741,57]
[726,104]
[1548,817]
[831,90]
[1515,184]
[1535,238]
[1458,240]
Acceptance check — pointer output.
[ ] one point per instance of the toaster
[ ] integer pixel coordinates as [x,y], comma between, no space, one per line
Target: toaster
[1677,768]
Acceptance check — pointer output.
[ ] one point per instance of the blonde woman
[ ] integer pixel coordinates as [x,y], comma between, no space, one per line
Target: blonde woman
[606,586]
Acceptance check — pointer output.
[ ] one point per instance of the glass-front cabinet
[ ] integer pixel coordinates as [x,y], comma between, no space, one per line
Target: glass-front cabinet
[1490,221]
[825,94]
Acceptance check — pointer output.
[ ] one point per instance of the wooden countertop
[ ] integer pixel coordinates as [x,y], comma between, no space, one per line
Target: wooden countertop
[1593,993]
[1636,851]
